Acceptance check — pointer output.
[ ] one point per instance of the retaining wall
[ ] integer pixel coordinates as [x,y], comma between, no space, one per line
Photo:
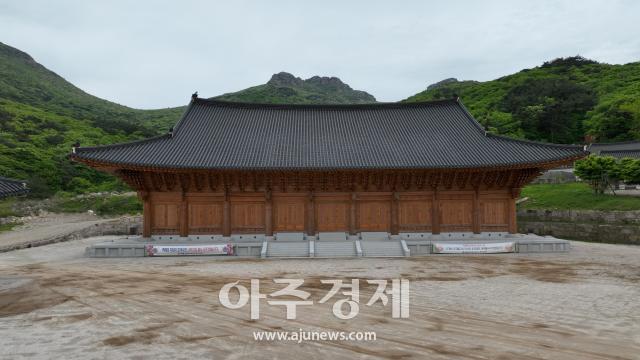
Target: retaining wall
[130,225]
[622,227]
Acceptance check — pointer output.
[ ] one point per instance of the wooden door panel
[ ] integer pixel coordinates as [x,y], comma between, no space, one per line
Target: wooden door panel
[205,218]
[374,216]
[289,214]
[494,215]
[415,215]
[165,218]
[456,215]
[332,216]
[247,217]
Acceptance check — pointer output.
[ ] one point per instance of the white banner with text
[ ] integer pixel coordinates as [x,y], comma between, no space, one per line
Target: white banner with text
[177,250]
[487,248]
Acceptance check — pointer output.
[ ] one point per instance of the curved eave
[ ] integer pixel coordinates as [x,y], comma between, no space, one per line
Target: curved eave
[545,164]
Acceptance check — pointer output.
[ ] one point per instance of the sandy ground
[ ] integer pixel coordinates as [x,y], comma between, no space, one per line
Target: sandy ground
[54,303]
[48,226]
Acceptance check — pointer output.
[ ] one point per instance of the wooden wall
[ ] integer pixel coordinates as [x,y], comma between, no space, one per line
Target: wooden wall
[266,213]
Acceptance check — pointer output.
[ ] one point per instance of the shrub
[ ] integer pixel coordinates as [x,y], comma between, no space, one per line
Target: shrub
[597,170]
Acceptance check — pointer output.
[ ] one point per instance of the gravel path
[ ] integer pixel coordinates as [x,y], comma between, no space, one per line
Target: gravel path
[54,303]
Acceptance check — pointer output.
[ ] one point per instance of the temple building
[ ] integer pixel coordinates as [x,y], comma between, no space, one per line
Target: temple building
[236,168]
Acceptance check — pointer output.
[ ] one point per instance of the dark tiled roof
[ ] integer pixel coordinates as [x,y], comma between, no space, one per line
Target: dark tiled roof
[10,187]
[622,154]
[596,148]
[222,135]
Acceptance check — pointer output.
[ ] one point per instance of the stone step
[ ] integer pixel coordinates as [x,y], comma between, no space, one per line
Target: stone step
[335,249]
[382,248]
[288,249]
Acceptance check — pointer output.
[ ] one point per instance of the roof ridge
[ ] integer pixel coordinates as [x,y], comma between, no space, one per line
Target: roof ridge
[533,142]
[619,151]
[377,105]
[170,134]
[617,143]
[122,144]
[473,120]
[178,124]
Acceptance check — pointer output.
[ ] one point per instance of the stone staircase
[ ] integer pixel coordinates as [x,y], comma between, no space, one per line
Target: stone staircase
[335,249]
[381,248]
[288,249]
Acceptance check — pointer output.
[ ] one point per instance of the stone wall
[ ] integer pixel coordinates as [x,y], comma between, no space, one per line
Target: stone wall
[622,227]
[126,225]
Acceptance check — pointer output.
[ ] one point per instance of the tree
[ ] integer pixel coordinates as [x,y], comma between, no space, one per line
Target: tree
[599,171]
[630,170]
[550,109]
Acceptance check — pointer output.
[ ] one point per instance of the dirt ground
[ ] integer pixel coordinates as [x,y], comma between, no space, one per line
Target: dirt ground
[54,303]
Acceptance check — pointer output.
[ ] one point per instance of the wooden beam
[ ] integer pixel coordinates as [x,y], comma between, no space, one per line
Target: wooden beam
[394,213]
[435,212]
[184,216]
[268,213]
[353,204]
[226,215]
[310,216]
[146,213]
[476,211]
[513,225]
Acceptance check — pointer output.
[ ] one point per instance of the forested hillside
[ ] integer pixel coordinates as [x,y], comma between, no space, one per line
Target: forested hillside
[42,115]
[560,101]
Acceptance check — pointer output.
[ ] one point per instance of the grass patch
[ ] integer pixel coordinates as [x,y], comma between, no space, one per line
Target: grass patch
[102,205]
[6,208]
[9,226]
[574,196]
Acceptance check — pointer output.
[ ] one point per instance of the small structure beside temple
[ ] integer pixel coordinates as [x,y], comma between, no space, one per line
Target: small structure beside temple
[236,168]
[619,150]
[12,187]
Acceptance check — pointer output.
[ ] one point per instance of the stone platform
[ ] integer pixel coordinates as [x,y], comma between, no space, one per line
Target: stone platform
[331,245]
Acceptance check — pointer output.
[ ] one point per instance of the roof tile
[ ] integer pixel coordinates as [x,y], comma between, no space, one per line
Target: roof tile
[222,135]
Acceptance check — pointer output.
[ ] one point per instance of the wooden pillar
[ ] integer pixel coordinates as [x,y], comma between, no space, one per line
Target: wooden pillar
[353,214]
[513,225]
[310,215]
[394,213]
[268,213]
[184,216]
[146,213]
[226,215]
[476,211]
[435,212]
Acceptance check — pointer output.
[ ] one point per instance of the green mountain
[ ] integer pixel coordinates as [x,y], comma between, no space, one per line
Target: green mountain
[561,101]
[284,88]
[42,115]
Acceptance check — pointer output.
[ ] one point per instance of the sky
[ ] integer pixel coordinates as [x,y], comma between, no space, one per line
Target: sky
[147,54]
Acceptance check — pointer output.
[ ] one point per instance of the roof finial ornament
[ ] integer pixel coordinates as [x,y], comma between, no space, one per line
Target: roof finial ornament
[194,95]
[74,146]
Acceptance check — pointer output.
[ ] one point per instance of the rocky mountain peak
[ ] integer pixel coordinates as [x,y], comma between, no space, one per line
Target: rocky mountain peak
[442,83]
[285,79]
